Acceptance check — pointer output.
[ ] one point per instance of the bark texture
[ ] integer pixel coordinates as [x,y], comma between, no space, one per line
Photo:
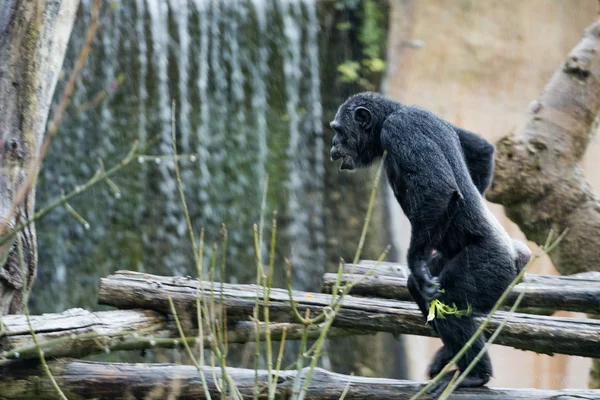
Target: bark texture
[542,334]
[538,178]
[33,40]
[78,333]
[86,379]
[543,293]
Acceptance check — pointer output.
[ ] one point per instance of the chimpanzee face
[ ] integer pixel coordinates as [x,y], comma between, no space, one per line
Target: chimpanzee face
[352,126]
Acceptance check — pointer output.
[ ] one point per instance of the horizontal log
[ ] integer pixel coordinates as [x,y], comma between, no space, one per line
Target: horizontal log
[78,333]
[111,381]
[549,293]
[591,278]
[549,335]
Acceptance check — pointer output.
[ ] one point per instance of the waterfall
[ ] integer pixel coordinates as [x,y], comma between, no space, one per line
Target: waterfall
[259,70]
[180,8]
[143,60]
[315,132]
[245,76]
[305,144]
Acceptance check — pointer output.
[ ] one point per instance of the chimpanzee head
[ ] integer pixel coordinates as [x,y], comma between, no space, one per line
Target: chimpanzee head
[357,125]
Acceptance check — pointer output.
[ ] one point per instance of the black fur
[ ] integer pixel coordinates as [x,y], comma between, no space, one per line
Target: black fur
[438,173]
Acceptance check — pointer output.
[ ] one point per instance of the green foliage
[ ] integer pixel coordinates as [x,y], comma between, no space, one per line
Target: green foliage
[372,32]
[349,71]
[371,35]
[375,64]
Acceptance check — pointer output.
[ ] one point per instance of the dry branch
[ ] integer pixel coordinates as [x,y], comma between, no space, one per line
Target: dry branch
[575,336]
[83,380]
[580,292]
[78,333]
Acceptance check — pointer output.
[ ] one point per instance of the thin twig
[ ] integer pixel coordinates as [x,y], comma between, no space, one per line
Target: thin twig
[347,387]
[180,183]
[363,234]
[453,386]
[268,282]
[98,177]
[33,335]
[199,272]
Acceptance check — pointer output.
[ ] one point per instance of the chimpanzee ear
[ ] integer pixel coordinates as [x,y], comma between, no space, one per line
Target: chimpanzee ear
[363,116]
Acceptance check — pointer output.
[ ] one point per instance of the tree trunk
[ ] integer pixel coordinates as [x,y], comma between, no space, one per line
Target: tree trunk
[33,40]
[538,178]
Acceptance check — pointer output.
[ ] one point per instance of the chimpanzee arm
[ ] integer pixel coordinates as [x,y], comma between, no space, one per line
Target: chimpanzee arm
[479,157]
[429,187]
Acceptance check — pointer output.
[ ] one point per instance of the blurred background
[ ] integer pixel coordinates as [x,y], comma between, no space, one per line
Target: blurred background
[256,83]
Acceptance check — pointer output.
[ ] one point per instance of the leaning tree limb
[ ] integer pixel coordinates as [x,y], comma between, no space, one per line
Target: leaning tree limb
[33,41]
[538,178]
[86,379]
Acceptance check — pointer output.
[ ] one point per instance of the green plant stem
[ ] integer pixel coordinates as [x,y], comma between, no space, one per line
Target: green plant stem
[363,234]
[180,183]
[452,386]
[182,336]
[33,335]
[198,254]
[279,359]
[199,271]
[272,380]
[327,325]
[222,280]
[258,237]
[300,362]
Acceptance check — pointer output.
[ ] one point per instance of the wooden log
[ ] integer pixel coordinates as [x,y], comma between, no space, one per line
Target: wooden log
[401,271]
[549,335]
[111,381]
[78,333]
[549,293]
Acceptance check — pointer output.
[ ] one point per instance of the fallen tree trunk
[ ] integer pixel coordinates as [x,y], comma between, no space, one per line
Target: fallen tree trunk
[78,333]
[549,335]
[579,293]
[86,379]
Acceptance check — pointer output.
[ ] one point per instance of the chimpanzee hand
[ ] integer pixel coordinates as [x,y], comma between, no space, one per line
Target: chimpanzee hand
[430,288]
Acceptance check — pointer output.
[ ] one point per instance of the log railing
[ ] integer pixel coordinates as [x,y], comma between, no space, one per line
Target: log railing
[379,303]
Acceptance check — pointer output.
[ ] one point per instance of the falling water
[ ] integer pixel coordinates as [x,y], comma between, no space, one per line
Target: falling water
[245,76]
[300,204]
[315,202]
[142,57]
[180,8]
[259,71]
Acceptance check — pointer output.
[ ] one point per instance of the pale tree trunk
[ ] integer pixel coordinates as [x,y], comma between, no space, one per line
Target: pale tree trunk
[538,177]
[33,40]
